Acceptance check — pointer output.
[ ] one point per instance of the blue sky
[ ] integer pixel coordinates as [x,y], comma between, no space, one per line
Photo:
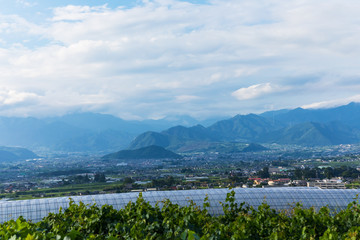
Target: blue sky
[157,58]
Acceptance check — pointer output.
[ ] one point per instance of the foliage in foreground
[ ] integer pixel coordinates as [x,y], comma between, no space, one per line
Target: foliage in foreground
[140,220]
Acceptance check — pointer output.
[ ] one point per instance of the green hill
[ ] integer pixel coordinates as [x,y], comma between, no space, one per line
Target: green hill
[254,147]
[150,152]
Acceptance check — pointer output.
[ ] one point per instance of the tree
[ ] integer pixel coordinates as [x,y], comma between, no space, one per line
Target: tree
[99,177]
[128,180]
[264,173]
[329,172]
[298,174]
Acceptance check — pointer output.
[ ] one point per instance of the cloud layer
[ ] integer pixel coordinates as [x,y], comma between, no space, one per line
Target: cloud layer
[168,57]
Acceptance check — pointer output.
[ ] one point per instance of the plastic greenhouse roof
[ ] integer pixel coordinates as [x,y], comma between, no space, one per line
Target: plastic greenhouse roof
[277,198]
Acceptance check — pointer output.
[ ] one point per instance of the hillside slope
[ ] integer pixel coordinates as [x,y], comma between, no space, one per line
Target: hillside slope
[10,154]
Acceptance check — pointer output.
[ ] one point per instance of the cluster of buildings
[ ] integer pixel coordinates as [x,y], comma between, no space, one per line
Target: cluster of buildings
[334,183]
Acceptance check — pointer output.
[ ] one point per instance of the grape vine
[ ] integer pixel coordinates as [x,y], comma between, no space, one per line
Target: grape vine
[141,220]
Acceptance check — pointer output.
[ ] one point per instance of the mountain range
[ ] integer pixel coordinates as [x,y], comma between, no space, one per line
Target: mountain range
[308,127]
[79,132]
[102,133]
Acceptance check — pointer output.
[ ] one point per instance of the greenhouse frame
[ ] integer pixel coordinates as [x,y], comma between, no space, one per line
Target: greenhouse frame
[278,198]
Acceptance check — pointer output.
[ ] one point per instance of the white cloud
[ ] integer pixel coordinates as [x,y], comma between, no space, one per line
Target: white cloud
[13,24]
[24,3]
[137,60]
[241,72]
[11,97]
[74,13]
[186,98]
[255,91]
[332,103]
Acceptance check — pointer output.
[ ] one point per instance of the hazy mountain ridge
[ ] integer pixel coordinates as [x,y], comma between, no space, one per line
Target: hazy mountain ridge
[15,154]
[347,114]
[106,140]
[313,134]
[93,132]
[79,132]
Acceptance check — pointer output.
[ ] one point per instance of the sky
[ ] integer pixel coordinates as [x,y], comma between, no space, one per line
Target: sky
[149,59]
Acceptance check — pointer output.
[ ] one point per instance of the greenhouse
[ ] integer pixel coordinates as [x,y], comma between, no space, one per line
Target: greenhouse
[277,198]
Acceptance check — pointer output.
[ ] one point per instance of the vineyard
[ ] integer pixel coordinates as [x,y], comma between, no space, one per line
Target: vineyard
[141,220]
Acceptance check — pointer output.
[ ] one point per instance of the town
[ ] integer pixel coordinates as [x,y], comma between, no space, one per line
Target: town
[63,174]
